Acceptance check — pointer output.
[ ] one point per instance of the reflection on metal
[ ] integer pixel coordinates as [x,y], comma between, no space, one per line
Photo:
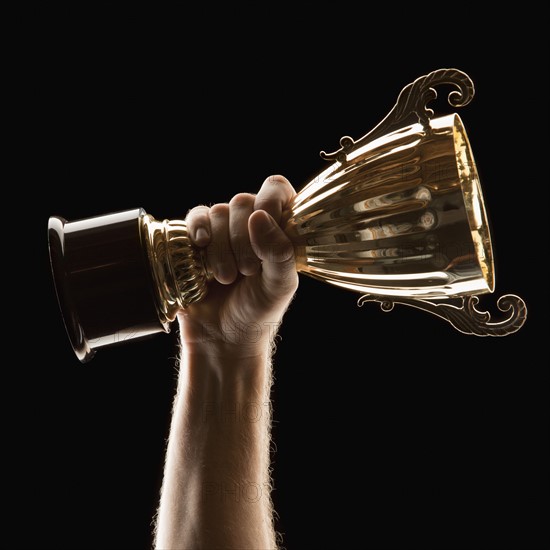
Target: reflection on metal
[398,216]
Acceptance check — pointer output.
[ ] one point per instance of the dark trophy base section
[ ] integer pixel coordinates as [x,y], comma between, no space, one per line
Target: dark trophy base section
[103,281]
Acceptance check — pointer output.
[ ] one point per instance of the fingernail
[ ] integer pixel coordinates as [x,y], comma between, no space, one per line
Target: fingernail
[201,236]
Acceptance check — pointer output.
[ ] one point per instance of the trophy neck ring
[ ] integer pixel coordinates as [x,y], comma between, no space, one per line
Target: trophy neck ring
[177,267]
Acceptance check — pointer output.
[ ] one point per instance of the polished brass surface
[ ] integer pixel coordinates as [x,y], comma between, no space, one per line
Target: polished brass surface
[402,216]
[178,269]
[397,216]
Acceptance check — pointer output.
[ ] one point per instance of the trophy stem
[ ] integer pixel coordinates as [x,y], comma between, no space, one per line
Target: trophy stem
[178,268]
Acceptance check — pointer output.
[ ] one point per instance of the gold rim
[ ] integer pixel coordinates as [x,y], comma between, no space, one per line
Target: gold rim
[473,200]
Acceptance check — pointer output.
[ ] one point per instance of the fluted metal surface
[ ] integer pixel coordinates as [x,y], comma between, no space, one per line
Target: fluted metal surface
[402,215]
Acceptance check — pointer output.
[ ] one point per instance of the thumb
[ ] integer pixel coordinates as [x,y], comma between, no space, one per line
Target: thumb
[276,251]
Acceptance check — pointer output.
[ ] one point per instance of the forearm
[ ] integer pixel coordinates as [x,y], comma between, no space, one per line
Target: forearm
[216,488]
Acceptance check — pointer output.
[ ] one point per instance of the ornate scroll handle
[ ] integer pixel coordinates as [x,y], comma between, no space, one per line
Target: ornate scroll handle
[412,103]
[464,317]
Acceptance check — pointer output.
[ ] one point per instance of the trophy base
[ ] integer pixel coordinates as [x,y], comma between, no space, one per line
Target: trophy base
[103,281]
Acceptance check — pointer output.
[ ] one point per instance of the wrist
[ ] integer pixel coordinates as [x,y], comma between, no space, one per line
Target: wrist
[227,340]
[226,355]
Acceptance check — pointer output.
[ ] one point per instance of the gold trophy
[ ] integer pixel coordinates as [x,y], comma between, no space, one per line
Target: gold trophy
[397,216]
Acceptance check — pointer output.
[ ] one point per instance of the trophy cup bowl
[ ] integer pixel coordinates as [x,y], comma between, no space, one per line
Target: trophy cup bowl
[397,216]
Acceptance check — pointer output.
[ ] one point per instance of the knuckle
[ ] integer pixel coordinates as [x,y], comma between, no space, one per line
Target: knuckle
[199,214]
[277,179]
[275,193]
[242,200]
[220,209]
[265,202]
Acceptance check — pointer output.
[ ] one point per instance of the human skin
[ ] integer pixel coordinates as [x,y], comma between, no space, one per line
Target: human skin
[216,485]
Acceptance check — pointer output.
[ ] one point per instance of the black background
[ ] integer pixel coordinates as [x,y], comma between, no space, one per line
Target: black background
[392,430]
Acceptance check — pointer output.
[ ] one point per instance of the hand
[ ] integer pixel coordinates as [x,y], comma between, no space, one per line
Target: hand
[252,263]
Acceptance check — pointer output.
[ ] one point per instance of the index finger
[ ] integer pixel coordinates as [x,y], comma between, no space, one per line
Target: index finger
[274,196]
